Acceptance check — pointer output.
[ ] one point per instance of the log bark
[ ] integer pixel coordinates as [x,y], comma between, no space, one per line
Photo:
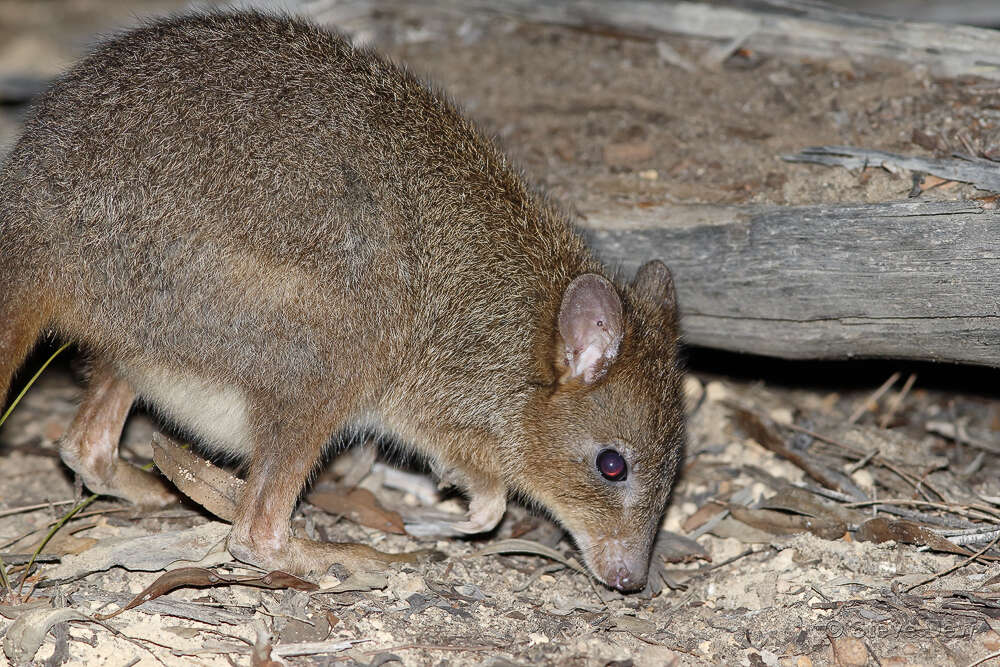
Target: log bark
[969,12]
[977,171]
[799,28]
[915,280]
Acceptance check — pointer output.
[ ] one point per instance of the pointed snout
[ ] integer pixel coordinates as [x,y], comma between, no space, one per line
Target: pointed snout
[619,566]
[625,580]
[618,560]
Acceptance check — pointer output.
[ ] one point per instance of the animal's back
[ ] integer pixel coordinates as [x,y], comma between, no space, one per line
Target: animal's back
[216,188]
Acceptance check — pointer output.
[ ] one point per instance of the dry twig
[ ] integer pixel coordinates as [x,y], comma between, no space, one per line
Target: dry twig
[873,398]
[955,567]
[897,400]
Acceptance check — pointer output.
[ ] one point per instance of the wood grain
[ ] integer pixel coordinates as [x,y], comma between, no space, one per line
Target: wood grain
[916,280]
[798,28]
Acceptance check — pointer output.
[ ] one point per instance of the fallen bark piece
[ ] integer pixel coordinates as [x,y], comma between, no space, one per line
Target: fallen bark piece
[211,487]
[147,553]
[360,582]
[166,606]
[982,173]
[26,634]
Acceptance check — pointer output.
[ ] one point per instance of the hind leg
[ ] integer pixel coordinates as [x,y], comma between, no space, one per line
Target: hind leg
[21,322]
[90,446]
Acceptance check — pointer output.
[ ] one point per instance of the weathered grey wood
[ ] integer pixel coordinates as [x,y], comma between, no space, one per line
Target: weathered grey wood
[983,173]
[969,12]
[790,27]
[917,280]
[782,27]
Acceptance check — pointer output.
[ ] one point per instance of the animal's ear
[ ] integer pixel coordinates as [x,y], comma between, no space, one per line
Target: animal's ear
[591,327]
[654,282]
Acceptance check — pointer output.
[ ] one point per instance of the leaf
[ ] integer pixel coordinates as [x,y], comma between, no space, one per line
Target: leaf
[780,523]
[515,546]
[14,611]
[200,577]
[703,515]
[635,625]
[764,431]
[360,506]
[880,530]
[675,548]
[800,501]
[26,634]
[211,487]
[730,528]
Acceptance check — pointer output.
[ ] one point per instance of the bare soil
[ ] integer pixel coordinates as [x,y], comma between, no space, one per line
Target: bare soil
[593,119]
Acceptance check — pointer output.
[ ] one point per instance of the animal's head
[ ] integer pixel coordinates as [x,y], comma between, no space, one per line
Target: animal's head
[607,437]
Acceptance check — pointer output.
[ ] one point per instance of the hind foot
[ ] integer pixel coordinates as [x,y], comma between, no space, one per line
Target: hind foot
[90,446]
[307,557]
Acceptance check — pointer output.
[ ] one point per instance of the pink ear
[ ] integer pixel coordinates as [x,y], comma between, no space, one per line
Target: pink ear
[654,282]
[590,323]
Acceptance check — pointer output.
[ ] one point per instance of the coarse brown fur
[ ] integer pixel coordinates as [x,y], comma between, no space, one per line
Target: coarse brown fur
[272,236]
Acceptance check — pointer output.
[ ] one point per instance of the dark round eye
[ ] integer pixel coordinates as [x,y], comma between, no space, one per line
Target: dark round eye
[612,465]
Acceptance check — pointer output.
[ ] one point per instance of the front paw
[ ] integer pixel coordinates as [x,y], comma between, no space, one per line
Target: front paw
[484,514]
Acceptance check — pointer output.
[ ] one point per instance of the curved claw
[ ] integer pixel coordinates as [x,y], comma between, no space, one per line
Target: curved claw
[484,514]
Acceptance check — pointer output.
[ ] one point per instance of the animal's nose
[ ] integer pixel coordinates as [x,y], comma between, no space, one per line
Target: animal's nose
[624,580]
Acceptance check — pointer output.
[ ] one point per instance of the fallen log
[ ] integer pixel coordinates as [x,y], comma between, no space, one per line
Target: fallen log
[914,280]
[796,28]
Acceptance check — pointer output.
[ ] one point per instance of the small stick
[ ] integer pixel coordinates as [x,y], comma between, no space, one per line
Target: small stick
[597,593]
[909,479]
[32,508]
[955,567]
[897,400]
[950,507]
[972,538]
[923,482]
[862,463]
[818,592]
[982,660]
[705,569]
[873,398]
